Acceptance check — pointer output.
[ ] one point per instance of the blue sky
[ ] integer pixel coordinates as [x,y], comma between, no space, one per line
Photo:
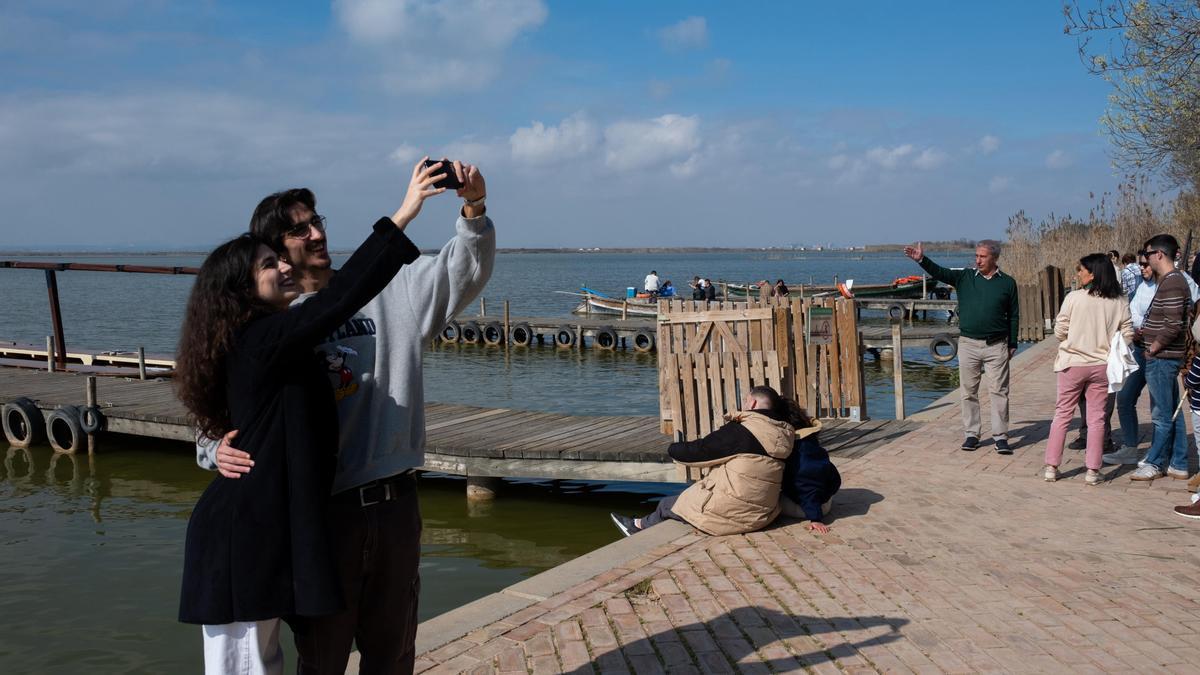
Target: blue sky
[161,124]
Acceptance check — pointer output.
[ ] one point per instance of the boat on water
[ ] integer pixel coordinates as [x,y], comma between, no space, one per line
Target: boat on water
[902,288]
[594,302]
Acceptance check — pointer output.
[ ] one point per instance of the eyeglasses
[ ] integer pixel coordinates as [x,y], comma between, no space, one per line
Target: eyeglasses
[303,229]
[1143,264]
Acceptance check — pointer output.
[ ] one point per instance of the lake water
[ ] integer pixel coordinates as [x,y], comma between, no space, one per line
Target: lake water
[92,549]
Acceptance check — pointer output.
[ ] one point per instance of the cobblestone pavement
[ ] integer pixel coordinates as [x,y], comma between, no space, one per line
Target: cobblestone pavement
[939,560]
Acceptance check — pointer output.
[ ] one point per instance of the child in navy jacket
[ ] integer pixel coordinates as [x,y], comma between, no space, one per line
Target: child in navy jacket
[809,479]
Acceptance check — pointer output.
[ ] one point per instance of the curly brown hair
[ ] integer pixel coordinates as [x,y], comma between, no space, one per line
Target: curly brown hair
[223,299]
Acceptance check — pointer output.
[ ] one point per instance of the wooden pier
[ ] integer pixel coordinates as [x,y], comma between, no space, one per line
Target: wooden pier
[462,440]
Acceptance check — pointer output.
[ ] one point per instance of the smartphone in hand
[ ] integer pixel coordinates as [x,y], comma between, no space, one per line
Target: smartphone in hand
[451,181]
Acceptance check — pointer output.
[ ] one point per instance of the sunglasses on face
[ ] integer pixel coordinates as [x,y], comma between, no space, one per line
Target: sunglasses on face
[1143,264]
[303,229]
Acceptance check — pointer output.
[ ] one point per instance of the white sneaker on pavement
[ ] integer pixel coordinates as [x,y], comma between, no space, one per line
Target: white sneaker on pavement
[1146,472]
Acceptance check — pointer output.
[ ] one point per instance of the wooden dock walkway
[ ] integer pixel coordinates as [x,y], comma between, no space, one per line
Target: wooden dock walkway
[462,440]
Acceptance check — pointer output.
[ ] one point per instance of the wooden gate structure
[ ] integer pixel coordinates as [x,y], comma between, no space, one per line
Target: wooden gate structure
[1039,304]
[711,353]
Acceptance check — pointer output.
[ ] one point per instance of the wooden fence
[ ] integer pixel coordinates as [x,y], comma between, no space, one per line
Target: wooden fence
[711,353]
[1039,304]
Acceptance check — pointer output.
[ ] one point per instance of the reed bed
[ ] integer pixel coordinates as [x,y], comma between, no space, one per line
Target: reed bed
[1122,221]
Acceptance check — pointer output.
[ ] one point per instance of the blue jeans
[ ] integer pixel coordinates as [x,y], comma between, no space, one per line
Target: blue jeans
[1170,438]
[1128,397]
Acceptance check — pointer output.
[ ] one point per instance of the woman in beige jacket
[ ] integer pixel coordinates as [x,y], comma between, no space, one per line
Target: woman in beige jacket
[1085,326]
[745,461]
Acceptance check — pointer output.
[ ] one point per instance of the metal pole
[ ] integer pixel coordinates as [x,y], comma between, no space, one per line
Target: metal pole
[56,318]
[482,306]
[898,366]
[141,363]
[49,354]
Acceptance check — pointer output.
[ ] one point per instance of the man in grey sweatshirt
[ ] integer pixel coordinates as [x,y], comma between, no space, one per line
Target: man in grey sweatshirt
[375,367]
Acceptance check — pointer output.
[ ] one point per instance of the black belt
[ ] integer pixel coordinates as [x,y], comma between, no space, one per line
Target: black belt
[382,490]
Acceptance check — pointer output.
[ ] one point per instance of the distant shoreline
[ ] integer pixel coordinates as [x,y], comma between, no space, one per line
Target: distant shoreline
[639,250]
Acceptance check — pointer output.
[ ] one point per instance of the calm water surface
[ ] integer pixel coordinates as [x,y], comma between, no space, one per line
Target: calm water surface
[92,549]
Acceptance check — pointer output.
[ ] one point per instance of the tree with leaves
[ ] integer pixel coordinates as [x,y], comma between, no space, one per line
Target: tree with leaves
[1149,51]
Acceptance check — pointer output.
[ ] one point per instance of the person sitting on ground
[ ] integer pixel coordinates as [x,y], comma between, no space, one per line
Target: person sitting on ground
[667,290]
[780,290]
[809,479]
[745,459]
[1085,325]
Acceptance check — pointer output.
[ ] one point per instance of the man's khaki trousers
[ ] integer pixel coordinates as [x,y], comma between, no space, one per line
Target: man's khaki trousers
[974,358]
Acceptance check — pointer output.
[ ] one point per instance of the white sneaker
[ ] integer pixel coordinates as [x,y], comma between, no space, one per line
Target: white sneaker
[1180,474]
[1092,477]
[1122,456]
[1050,473]
[1146,472]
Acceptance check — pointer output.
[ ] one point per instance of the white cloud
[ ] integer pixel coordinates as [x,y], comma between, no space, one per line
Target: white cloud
[405,154]
[484,153]
[930,158]
[418,45]
[999,184]
[687,167]
[1058,160]
[989,144]
[889,158]
[638,144]
[539,144]
[691,33]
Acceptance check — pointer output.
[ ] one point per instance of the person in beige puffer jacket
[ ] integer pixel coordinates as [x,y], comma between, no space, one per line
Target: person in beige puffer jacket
[745,460]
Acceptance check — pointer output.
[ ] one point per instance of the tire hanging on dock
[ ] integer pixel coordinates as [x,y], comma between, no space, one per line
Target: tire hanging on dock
[896,311]
[24,424]
[452,332]
[943,340]
[91,420]
[470,333]
[564,336]
[64,431]
[521,335]
[605,338]
[643,341]
[493,333]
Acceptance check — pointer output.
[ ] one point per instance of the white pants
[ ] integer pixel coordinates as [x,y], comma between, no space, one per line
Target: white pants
[243,648]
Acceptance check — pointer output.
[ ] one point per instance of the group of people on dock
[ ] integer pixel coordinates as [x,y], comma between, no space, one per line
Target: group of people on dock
[305,383]
[1130,324]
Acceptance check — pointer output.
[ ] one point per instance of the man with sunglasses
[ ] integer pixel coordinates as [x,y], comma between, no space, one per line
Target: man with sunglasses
[374,518]
[1164,334]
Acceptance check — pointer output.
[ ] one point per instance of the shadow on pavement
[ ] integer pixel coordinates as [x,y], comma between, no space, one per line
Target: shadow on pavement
[718,644]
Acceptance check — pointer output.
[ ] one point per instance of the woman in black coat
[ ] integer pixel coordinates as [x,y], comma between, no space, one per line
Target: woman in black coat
[256,548]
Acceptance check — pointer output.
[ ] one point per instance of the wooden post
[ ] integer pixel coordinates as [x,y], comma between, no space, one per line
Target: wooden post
[506,333]
[49,353]
[141,363]
[625,309]
[579,340]
[56,318]
[482,306]
[898,366]
[90,393]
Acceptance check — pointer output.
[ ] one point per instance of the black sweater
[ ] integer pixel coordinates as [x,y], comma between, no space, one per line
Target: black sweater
[256,546]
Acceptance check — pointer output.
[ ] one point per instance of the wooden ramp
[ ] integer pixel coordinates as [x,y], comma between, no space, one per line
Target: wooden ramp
[462,440]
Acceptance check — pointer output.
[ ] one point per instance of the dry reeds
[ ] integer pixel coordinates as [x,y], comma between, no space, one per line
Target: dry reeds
[1135,215]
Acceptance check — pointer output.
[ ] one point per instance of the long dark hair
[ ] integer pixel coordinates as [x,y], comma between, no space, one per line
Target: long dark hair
[224,298]
[1104,276]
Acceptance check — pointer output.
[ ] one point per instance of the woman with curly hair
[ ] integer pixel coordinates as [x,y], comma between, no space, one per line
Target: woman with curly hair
[1085,325]
[256,547]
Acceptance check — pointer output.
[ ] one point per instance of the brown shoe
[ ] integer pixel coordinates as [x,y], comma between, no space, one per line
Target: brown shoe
[1190,511]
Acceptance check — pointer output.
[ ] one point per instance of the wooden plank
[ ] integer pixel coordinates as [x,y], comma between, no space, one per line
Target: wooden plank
[835,368]
[703,399]
[671,374]
[701,340]
[717,315]
[717,384]
[729,381]
[687,381]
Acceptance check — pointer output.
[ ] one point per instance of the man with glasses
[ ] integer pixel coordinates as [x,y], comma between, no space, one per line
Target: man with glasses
[988,316]
[1131,391]
[374,518]
[1164,333]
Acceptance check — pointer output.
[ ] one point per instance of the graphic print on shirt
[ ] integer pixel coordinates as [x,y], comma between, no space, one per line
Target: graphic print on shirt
[340,374]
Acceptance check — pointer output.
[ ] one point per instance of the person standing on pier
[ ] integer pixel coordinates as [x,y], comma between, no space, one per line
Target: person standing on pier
[374,516]
[1164,333]
[988,317]
[257,549]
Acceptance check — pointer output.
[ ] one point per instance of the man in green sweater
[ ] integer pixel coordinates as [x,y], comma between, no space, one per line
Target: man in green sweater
[988,317]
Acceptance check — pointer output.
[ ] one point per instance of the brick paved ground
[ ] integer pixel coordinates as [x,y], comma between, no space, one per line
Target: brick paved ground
[939,560]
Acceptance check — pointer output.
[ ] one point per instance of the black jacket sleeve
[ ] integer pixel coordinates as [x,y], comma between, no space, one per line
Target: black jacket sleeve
[731,439]
[364,275]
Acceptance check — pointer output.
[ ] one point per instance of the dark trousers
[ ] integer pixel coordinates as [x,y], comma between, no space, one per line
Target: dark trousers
[378,548]
[661,512]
